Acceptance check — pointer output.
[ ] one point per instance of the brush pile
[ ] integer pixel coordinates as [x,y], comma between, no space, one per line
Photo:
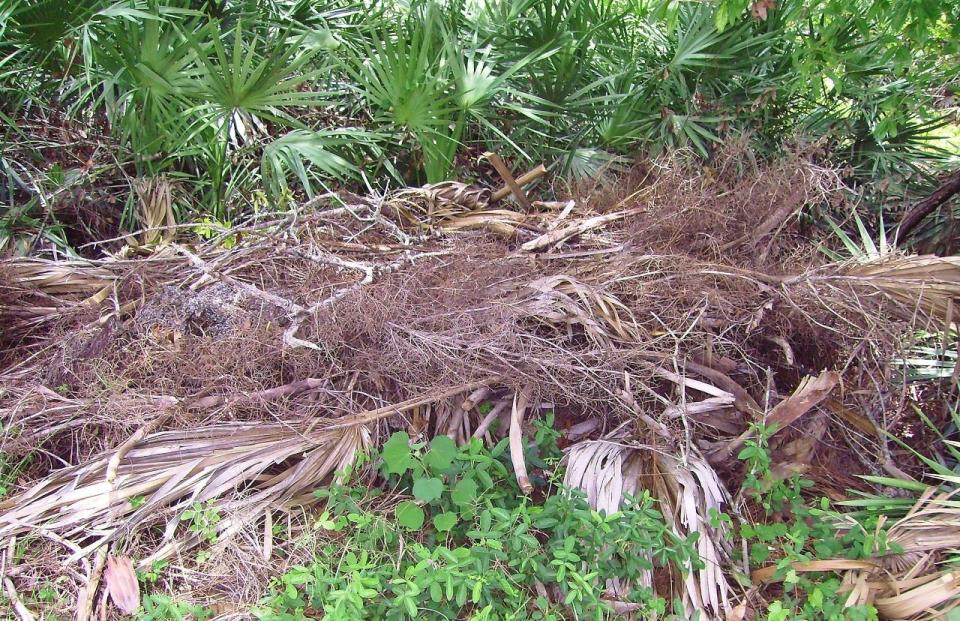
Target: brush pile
[659,317]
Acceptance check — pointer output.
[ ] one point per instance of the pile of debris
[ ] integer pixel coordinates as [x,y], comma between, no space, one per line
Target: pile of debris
[659,315]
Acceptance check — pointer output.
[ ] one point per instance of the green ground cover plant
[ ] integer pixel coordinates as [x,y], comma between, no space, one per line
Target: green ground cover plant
[464,542]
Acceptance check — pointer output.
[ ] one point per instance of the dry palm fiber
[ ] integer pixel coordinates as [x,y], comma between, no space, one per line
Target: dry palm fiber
[192,342]
[167,465]
[687,490]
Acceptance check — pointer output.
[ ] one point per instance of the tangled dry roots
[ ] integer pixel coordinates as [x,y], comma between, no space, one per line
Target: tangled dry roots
[657,312]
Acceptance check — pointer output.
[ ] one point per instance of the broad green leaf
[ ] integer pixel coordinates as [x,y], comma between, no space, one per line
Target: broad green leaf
[427,490]
[440,456]
[409,515]
[396,453]
[465,492]
[445,521]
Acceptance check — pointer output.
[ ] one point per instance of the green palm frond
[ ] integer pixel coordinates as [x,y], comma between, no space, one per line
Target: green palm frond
[695,46]
[928,363]
[590,163]
[863,249]
[580,35]
[930,357]
[257,76]
[402,77]
[295,152]
[45,23]
[149,70]
[6,13]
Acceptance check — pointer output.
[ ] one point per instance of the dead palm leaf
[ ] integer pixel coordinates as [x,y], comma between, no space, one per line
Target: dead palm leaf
[687,491]
[262,464]
[246,468]
[564,301]
[451,206]
[155,202]
[74,280]
[693,492]
[907,583]
[927,283]
[461,195]
[500,221]
[122,584]
[36,291]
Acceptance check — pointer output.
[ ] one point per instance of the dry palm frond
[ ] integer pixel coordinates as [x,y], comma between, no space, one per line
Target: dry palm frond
[451,206]
[692,492]
[688,492]
[933,598]
[254,466]
[596,468]
[907,583]
[927,283]
[564,301]
[450,218]
[810,392]
[466,197]
[270,465]
[121,581]
[557,236]
[932,526]
[520,402]
[156,208]
[38,291]
[62,280]
[500,221]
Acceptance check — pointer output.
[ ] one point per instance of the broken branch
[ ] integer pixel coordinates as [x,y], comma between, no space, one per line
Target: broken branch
[522,180]
[573,229]
[924,208]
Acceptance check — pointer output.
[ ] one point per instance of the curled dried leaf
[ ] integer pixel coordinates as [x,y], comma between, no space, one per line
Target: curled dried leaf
[122,584]
[520,402]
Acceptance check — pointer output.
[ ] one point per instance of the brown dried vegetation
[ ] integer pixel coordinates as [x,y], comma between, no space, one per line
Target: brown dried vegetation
[249,375]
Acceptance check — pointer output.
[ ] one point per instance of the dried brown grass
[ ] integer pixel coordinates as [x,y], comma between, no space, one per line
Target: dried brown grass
[706,277]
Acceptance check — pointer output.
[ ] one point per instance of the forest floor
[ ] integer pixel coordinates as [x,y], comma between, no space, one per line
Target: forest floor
[683,346]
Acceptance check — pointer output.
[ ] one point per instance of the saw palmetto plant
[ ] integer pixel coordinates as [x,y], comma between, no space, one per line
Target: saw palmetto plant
[199,91]
[316,291]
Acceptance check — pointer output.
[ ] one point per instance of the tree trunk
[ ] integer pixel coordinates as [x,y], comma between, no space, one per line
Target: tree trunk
[925,207]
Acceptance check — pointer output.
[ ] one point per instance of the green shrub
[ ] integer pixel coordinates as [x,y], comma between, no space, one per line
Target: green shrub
[239,98]
[465,543]
[810,533]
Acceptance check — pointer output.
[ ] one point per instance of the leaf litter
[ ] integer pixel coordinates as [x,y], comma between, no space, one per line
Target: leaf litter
[660,315]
